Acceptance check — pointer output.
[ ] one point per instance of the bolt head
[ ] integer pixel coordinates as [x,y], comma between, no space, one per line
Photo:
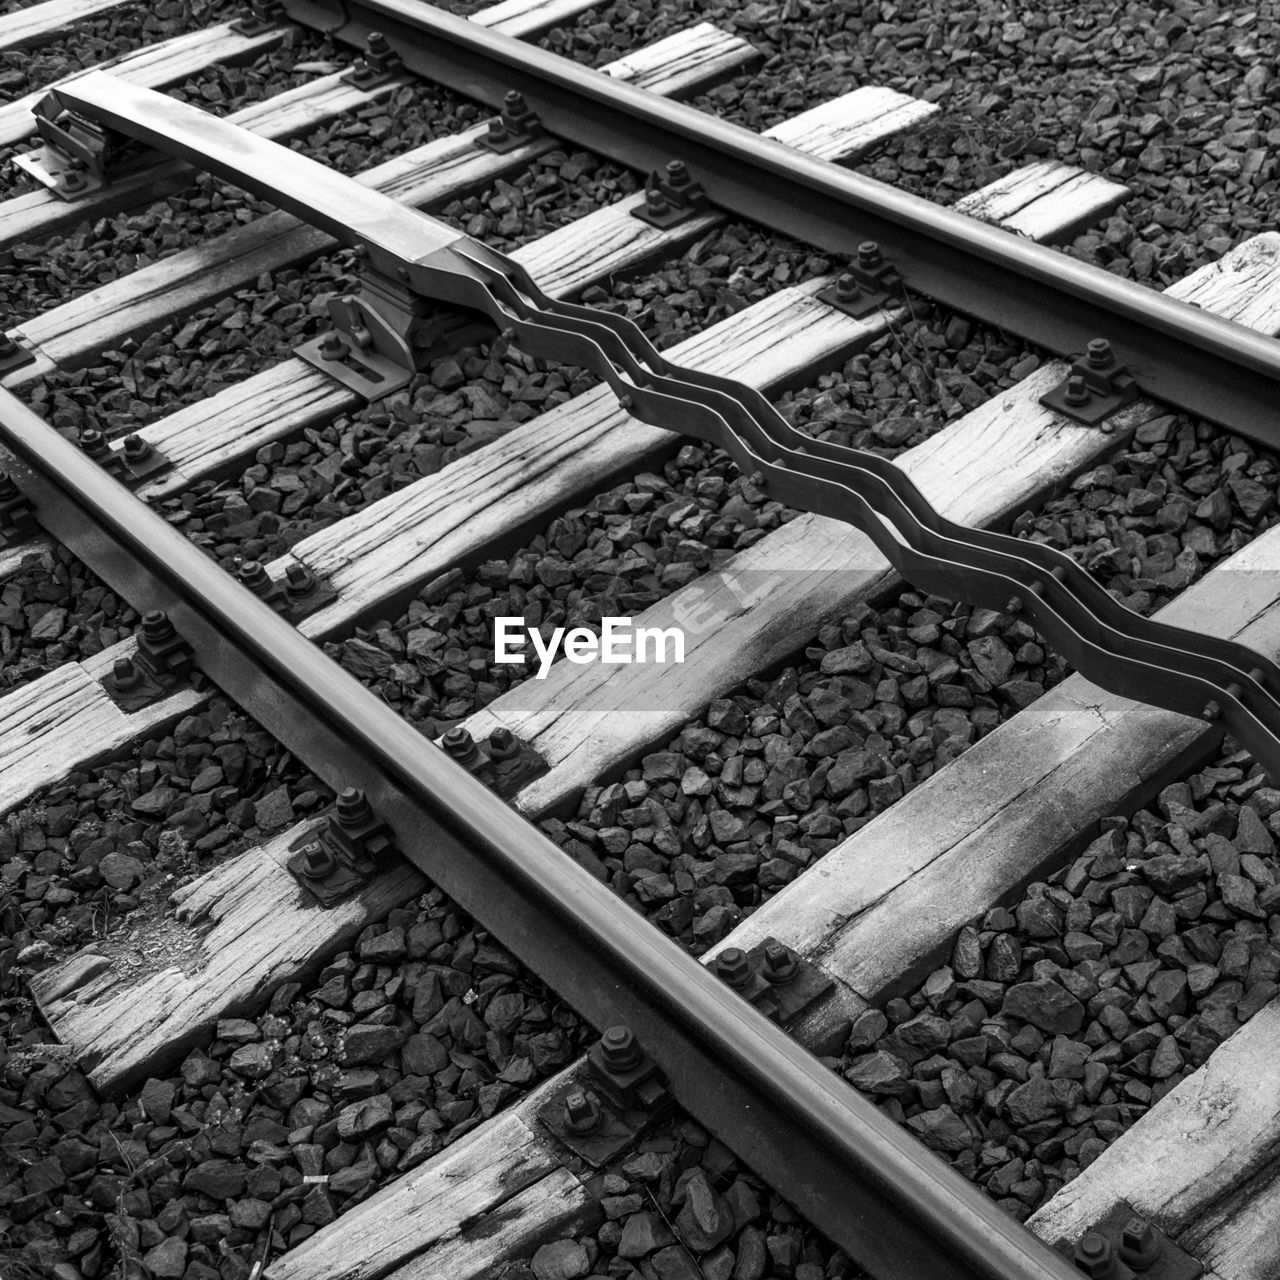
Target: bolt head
[298,578]
[779,963]
[317,861]
[1077,391]
[619,1048]
[869,254]
[502,743]
[376,42]
[72,180]
[125,672]
[497,129]
[1093,1256]
[846,286]
[581,1111]
[513,101]
[733,966]
[457,741]
[1098,352]
[655,202]
[352,807]
[156,625]
[676,170]
[332,347]
[1138,1244]
[136,447]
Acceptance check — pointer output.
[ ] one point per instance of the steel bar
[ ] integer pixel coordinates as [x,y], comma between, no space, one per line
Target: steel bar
[1180,670]
[856,1175]
[1199,362]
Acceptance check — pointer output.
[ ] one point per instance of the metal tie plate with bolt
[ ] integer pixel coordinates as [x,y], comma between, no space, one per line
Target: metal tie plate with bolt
[162,660]
[517,125]
[602,1112]
[262,16]
[131,462]
[17,517]
[502,761]
[299,594]
[1126,1246]
[1094,388]
[77,154]
[867,284]
[671,198]
[15,352]
[352,844]
[378,64]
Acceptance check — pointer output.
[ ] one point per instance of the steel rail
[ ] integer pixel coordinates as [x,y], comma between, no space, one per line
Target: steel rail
[865,1182]
[1226,373]
[1180,670]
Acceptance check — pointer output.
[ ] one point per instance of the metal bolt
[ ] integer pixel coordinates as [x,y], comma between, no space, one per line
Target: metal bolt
[1093,1256]
[503,744]
[317,861]
[1138,1244]
[513,103]
[332,347]
[254,576]
[73,181]
[869,254]
[497,129]
[1099,353]
[136,448]
[847,287]
[459,744]
[1212,711]
[655,203]
[298,579]
[581,1112]
[125,673]
[1077,391]
[376,43]
[156,626]
[677,174]
[353,809]
[780,964]
[94,443]
[733,967]
[619,1048]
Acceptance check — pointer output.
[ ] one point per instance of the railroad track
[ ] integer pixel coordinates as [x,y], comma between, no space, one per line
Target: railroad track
[889,899]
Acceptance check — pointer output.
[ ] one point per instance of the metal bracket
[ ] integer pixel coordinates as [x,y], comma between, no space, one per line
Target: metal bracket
[517,125]
[77,154]
[1094,388]
[262,16]
[349,848]
[793,982]
[1125,1246]
[15,352]
[300,594]
[17,516]
[379,64]
[371,348]
[602,1112]
[163,658]
[502,762]
[868,284]
[133,460]
[671,198]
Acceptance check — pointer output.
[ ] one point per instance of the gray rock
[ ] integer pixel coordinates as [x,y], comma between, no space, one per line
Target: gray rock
[942,1130]
[560,1260]
[121,871]
[365,1117]
[1044,1004]
[704,1219]
[879,1073]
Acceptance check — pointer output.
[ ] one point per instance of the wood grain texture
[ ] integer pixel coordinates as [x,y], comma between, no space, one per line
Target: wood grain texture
[845,127]
[141,1007]
[40,23]
[497,1174]
[1201,1164]
[1046,200]
[525,18]
[685,60]
[153,67]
